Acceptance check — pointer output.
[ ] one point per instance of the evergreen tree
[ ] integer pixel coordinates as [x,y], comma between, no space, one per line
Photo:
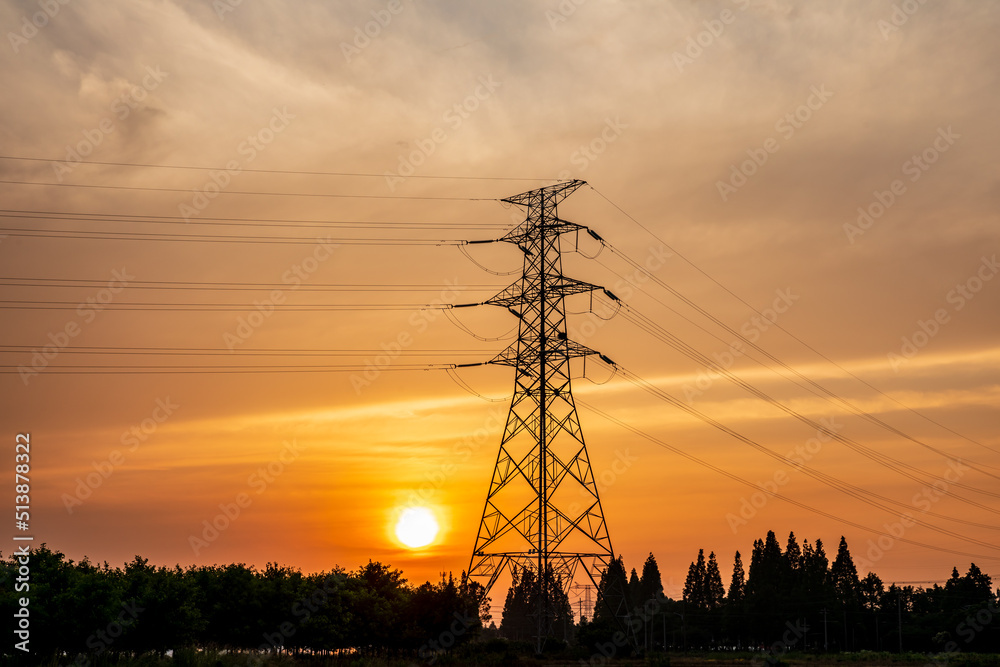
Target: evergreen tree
[650,584]
[713,590]
[738,582]
[694,585]
[765,600]
[733,618]
[793,554]
[844,575]
[520,611]
[815,566]
[634,588]
[613,590]
[517,622]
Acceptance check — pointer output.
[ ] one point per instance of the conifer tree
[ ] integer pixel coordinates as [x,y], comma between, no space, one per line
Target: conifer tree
[714,592]
[738,582]
[651,584]
[694,584]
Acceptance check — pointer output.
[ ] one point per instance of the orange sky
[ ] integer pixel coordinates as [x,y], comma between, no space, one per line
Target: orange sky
[656,105]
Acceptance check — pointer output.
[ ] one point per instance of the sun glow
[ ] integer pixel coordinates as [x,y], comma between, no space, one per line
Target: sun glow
[417,527]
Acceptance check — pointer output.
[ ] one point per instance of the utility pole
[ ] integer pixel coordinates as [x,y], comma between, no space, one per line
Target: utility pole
[533,517]
[826,644]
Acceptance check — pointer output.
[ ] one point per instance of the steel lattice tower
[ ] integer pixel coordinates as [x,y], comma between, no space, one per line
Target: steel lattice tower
[543,508]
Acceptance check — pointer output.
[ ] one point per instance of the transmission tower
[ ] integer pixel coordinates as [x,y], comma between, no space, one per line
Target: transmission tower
[543,511]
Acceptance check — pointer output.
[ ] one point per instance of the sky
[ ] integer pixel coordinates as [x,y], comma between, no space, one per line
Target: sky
[831,164]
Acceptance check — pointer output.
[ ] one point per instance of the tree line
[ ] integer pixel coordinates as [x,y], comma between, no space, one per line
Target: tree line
[87,610]
[793,599]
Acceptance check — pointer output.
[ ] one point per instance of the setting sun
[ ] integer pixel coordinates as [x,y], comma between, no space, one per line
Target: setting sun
[417,527]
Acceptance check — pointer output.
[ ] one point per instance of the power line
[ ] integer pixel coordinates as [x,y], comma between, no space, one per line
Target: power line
[786,331]
[79,283]
[755,487]
[892,464]
[664,336]
[241,352]
[221,307]
[852,490]
[822,392]
[112,218]
[188,370]
[217,238]
[246,192]
[271,171]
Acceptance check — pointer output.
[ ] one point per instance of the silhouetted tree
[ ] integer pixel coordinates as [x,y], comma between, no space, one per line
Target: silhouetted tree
[737,583]
[650,584]
[613,589]
[714,592]
[634,588]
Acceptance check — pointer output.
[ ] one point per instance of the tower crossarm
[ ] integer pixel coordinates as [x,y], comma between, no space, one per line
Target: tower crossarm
[519,293]
[510,355]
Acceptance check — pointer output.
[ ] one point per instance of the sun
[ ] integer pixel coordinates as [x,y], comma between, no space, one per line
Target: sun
[417,527]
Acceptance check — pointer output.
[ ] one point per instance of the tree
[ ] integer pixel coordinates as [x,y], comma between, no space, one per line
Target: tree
[650,584]
[766,600]
[733,619]
[737,583]
[613,592]
[973,588]
[844,575]
[517,621]
[714,592]
[793,554]
[815,569]
[872,590]
[634,589]
[694,584]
